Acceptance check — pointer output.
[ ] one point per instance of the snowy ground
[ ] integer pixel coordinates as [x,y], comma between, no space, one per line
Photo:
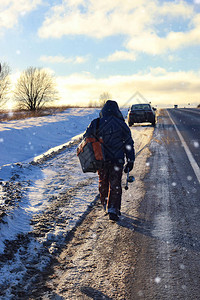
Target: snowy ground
[22,140]
[56,242]
[43,192]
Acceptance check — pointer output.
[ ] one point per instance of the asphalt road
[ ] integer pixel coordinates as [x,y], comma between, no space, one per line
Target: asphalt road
[169,225]
[188,123]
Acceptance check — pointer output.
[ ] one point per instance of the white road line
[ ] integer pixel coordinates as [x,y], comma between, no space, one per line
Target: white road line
[188,152]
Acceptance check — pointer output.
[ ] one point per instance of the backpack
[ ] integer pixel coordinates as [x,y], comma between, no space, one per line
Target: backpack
[90,153]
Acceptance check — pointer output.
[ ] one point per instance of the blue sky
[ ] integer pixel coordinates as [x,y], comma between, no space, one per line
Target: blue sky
[115,46]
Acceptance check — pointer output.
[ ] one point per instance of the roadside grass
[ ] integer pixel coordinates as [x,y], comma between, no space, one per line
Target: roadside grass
[24,114]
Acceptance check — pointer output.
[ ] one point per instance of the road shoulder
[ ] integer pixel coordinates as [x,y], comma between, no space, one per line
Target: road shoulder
[100,259]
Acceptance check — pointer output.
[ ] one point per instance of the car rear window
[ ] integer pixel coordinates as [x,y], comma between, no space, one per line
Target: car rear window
[140,106]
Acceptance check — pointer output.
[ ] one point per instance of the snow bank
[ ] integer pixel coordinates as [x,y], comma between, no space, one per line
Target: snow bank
[22,140]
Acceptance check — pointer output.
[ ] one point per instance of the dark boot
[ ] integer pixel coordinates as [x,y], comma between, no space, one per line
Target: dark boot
[113,217]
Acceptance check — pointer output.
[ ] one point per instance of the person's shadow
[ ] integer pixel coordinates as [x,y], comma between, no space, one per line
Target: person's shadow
[137,224]
[180,238]
[93,293]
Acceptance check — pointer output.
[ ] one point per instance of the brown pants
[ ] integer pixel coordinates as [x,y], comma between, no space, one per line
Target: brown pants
[110,187]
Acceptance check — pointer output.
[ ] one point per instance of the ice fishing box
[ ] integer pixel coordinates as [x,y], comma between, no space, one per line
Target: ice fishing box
[90,154]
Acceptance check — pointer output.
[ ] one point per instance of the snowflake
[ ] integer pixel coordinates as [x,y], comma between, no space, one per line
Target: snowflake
[128,147]
[116,168]
[157,279]
[196,144]
[189,178]
[174,183]
[1,140]
[194,191]
[183,287]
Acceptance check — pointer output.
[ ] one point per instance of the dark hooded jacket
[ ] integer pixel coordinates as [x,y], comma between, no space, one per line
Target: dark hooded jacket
[116,135]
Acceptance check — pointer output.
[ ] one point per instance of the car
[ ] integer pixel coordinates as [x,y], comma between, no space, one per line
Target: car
[140,113]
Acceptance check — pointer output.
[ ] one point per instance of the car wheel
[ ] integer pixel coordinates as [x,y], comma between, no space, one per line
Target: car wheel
[153,123]
[130,124]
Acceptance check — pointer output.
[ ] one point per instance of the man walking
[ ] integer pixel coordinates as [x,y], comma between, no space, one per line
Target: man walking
[117,144]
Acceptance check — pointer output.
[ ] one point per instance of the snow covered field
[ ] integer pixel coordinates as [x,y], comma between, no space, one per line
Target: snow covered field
[21,140]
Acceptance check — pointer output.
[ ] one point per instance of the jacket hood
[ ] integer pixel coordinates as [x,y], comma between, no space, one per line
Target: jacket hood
[111,108]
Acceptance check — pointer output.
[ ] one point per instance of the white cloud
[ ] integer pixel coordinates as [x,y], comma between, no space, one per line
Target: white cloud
[158,71]
[12,10]
[148,42]
[157,85]
[176,9]
[120,55]
[80,59]
[62,59]
[139,21]
[151,43]
[93,18]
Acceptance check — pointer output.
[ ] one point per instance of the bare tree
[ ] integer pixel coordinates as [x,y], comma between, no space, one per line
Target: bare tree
[4,82]
[35,88]
[104,97]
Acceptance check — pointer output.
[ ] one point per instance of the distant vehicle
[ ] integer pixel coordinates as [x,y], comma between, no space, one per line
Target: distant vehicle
[175,106]
[140,113]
